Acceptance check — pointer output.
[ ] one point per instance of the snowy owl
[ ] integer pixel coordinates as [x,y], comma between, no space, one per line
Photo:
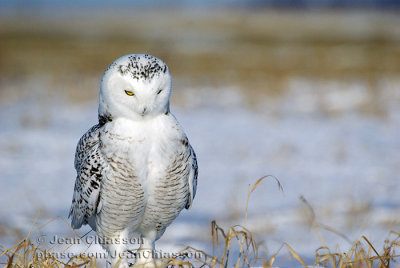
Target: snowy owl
[136,170]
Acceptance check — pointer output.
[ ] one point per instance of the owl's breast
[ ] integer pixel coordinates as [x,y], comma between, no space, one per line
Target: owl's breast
[147,170]
[128,139]
[140,151]
[124,187]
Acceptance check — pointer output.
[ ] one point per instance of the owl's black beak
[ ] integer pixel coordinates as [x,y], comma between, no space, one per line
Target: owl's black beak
[144,111]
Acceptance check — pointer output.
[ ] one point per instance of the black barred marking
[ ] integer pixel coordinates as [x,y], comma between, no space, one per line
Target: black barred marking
[94,184]
[94,169]
[139,70]
[159,226]
[104,119]
[185,142]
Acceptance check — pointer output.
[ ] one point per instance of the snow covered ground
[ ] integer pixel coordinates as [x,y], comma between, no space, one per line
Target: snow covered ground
[313,139]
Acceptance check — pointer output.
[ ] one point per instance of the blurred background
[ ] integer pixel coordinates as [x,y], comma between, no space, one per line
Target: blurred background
[307,91]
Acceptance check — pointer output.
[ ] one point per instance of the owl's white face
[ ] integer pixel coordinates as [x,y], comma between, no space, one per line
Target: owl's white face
[135,86]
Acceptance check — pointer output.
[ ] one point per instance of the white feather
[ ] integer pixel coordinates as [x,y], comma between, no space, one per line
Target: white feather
[146,166]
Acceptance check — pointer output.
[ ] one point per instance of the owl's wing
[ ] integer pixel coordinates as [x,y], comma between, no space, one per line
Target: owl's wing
[193,171]
[89,165]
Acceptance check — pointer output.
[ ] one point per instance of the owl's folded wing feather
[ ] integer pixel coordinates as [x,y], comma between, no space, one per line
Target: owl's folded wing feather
[89,165]
[192,177]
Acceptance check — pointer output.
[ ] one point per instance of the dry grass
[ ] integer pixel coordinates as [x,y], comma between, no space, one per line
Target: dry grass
[35,252]
[232,247]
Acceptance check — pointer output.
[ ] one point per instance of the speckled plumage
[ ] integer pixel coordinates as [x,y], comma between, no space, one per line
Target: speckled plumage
[135,169]
[141,70]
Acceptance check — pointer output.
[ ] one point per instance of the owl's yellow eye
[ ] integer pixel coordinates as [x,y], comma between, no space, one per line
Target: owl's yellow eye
[130,93]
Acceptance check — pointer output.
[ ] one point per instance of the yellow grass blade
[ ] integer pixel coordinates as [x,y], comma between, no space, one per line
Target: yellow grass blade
[377,254]
[264,177]
[294,253]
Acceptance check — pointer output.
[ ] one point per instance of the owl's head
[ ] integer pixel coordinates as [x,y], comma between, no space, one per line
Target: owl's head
[135,86]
